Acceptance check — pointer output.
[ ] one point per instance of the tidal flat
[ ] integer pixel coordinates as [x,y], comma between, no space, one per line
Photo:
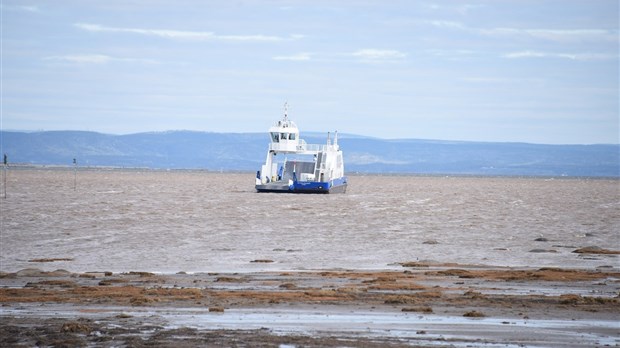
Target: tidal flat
[185,258]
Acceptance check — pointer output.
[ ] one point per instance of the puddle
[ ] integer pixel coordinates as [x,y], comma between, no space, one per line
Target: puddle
[435,330]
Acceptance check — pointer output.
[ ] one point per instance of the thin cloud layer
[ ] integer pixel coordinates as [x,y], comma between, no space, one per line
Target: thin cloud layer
[572,35]
[571,56]
[295,57]
[558,35]
[22,8]
[487,70]
[96,59]
[379,55]
[185,35]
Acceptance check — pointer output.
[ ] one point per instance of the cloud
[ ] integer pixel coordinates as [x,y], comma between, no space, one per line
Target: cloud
[452,54]
[296,57]
[22,8]
[571,56]
[448,24]
[379,55]
[558,35]
[566,35]
[502,80]
[367,55]
[186,35]
[462,9]
[96,59]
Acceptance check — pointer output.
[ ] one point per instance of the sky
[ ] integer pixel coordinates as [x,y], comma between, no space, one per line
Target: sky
[536,71]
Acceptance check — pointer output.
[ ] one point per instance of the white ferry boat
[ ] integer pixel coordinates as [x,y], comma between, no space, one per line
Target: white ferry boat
[292,166]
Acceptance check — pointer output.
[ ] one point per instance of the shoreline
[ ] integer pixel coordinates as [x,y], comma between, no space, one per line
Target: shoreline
[422,304]
[86,168]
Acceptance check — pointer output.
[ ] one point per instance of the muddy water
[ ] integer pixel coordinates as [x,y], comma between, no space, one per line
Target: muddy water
[201,222]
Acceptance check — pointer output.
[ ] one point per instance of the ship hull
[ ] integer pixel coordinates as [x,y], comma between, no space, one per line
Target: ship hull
[334,186]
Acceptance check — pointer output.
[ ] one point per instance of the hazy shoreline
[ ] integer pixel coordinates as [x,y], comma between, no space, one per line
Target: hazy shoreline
[80,168]
[245,152]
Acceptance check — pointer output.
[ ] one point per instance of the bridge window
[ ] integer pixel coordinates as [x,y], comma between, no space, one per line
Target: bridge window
[291,136]
[274,137]
[283,136]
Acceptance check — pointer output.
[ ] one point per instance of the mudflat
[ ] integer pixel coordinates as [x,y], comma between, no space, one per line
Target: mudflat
[141,258]
[423,304]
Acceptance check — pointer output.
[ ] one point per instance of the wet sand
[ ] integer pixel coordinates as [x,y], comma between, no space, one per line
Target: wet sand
[420,305]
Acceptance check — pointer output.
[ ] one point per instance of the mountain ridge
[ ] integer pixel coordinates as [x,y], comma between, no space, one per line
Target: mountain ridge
[179,149]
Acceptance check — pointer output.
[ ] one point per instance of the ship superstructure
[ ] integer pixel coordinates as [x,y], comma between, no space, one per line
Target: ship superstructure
[294,166]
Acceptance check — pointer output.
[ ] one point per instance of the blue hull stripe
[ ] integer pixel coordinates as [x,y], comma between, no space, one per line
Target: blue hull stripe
[335,186]
[325,187]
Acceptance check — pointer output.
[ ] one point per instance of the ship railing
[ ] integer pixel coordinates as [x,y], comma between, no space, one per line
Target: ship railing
[302,146]
[312,147]
[315,147]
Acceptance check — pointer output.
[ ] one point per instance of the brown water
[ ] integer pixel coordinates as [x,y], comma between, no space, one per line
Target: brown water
[202,222]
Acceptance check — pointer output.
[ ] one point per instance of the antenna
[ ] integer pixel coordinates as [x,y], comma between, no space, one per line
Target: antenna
[285,111]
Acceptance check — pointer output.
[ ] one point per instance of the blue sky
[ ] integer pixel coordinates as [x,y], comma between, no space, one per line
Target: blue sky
[527,71]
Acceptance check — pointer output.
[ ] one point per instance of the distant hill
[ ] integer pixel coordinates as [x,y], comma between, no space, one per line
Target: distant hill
[247,151]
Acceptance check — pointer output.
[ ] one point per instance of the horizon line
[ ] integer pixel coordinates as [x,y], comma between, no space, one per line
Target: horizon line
[314,133]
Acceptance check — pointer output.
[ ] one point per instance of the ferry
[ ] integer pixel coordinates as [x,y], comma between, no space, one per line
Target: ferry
[292,166]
